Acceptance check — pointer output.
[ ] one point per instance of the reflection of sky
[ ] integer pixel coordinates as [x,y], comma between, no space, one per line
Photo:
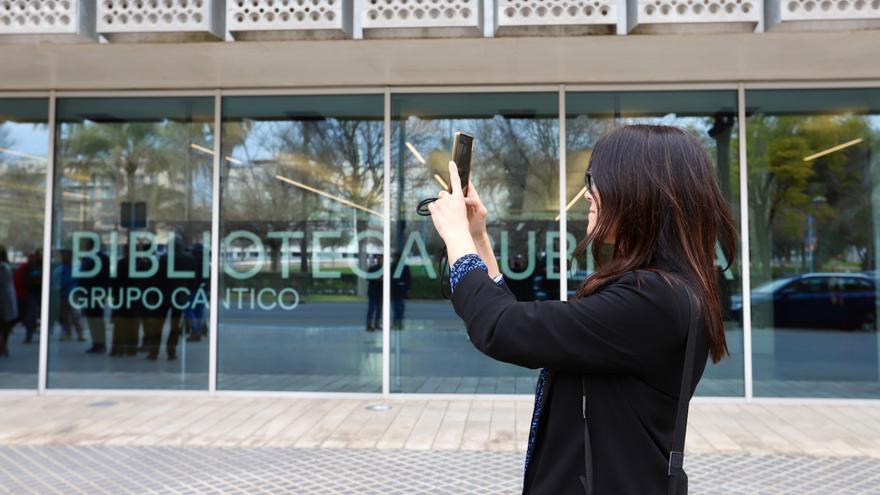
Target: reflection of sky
[27,138]
[700,124]
[266,140]
[260,143]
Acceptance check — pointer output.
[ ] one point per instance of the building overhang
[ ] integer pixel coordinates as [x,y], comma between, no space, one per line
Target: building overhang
[634,59]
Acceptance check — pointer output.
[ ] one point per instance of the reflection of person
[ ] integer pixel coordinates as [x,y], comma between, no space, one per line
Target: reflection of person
[153,316]
[374,296]
[194,314]
[183,262]
[126,315]
[63,284]
[94,313]
[28,284]
[400,286]
[8,302]
[614,352]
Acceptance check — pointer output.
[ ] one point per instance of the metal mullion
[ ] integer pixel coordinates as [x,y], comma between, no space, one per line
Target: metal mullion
[386,250]
[215,246]
[563,193]
[745,245]
[43,365]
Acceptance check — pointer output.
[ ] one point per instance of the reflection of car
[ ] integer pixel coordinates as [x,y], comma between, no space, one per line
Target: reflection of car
[843,301]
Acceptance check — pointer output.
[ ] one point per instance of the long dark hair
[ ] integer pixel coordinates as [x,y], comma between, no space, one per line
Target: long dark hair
[658,193]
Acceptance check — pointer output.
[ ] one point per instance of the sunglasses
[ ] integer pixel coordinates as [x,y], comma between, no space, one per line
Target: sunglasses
[590,184]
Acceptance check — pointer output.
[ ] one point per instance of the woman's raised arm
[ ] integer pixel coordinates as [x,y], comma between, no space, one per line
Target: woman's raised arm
[623,328]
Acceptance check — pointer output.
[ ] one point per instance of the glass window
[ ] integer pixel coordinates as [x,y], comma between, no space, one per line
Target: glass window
[515,169]
[301,243]
[130,241]
[24,142]
[711,117]
[814,215]
[851,284]
[812,285]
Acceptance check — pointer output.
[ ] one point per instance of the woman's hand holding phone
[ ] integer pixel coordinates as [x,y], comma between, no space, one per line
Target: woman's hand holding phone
[476,213]
[450,216]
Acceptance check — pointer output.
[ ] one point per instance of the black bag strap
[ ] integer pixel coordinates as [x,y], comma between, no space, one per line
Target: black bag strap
[587,478]
[676,472]
[677,477]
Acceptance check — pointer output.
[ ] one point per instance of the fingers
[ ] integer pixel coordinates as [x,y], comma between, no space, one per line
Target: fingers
[472,192]
[473,198]
[454,179]
[475,208]
[443,193]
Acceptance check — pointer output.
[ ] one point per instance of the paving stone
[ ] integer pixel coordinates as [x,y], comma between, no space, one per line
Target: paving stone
[41,469]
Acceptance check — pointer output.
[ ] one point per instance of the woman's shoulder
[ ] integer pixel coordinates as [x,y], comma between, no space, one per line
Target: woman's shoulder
[650,279]
[663,289]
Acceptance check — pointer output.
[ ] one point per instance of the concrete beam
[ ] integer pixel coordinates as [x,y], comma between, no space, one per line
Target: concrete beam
[813,56]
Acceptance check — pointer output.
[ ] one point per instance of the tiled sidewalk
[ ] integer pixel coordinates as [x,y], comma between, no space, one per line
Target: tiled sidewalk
[225,444]
[412,424]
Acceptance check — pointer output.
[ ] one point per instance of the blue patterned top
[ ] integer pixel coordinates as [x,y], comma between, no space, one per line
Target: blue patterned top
[536,413]
[459,269]
[463,265]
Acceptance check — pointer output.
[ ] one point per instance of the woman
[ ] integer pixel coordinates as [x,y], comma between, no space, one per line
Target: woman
[656,214]
[8,302]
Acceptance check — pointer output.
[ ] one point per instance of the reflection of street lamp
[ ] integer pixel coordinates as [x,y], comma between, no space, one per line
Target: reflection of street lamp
[810,241]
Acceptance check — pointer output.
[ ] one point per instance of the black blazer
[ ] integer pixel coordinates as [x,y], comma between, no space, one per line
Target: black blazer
[627,340]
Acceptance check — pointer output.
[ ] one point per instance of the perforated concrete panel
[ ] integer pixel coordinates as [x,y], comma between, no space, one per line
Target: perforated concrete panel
[822,14]
[161,20]
[687,16]
[421,18]
[47,20]
[517,17]
[289,19]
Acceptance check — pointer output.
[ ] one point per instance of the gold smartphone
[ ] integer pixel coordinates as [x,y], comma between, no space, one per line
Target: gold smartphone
[462,149]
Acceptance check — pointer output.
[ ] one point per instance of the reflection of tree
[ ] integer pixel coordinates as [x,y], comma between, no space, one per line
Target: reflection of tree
[142,161]
[343,158]
[189,168]
[350,165]
[583,131]
[22,191]
[117,151]
[515,163]
[784,188]
[522,159]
